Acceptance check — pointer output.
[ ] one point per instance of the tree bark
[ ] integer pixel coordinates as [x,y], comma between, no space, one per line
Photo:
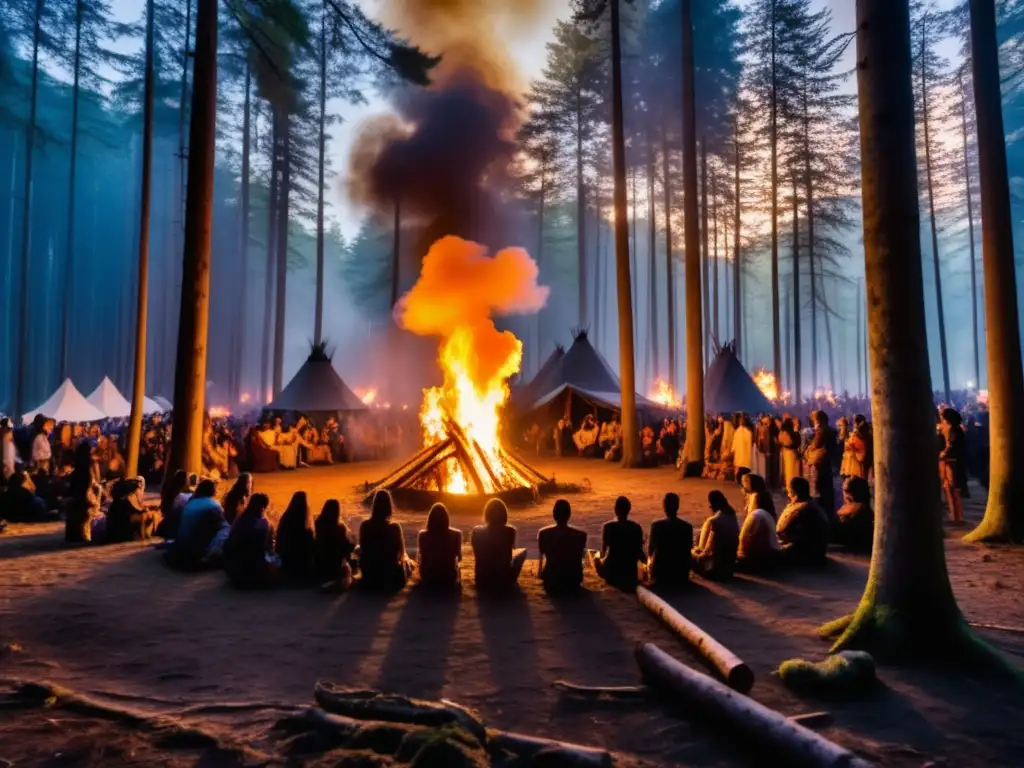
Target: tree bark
[243,300]
[630,426]
[670,279]
[26,222]
[796,382]
[860,324]
[736,287]
[773,125]
[318,320]
[908,609]
[809,203]
[268,285]
[69,263]
[652,260]
[705,254]
[970,234]
[934,224]
[1004,516]
[539,255]
[694,333]
[193,326]
[714,227]
[142,301]
[281,303]
[581,217]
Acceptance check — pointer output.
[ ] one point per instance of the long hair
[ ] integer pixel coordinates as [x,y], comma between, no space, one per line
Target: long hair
[495,513]
[296,517]
[382,506]
[329,518]
[438,519]
[254,511]
[237,492]
[172,488]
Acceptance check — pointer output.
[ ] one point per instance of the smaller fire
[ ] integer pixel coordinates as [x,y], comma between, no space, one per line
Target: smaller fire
[219,412]
[663,394]
[245,398]
[825,394]
[367,395]
[766,382]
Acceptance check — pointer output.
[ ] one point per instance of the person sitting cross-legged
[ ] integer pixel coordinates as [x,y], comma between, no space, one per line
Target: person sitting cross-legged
[497,561]
[334,549]
[669,545]
[622,549]
[855,530]
[382,558]
[202,532]
[296,543]
[440,550]
[562,549]
[714,557]
[803,527]
[249,559]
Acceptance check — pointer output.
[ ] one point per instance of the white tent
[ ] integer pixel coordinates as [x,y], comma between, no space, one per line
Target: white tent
[108,399]
[163,404]
[66,404]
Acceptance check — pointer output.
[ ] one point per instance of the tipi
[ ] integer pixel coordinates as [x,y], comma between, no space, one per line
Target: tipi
[316,390]
[728,387]
[66,404]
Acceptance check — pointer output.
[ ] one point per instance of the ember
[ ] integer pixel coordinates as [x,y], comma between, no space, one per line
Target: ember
[663,394]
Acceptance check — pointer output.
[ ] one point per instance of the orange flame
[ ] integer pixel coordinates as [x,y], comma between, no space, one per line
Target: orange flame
[766,382]
[245,398]
[825,394]
[368,395]
[663,394]
[458,290]
[219,412]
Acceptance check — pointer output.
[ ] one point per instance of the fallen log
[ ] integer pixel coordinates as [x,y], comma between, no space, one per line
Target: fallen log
[814,719]
[733,670]
[374,705]
[998,627]
[743,715]
[528,747]
[625,692]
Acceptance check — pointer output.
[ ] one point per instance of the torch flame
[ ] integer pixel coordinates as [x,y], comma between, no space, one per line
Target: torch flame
[663,394]
[458,290]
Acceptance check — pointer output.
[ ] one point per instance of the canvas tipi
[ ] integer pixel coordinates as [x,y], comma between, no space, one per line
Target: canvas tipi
[66,404]
[316,390]
[728,387]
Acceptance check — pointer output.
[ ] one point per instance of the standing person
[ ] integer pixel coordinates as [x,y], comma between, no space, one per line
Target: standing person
[714,557]
[42,453]
[296,543]
[743,448]
[855,453]
[562,549]
[622,549]
[497,561]
[440,550]
[953,461]
[669,546]
[819,458]
[382,557]
[10,453]
[334,549]
[789,444]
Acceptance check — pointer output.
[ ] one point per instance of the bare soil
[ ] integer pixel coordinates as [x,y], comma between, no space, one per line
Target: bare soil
[115,622]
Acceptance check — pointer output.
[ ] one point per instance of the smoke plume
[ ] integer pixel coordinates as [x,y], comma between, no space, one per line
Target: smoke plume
[459,290]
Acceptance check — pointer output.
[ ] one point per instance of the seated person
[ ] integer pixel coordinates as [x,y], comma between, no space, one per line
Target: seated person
[440,550]
[562,549]
[249,550]
[262,456]
[669,545]
[803,528]
[82,511]
[757,496]
[382,557]
[622,548]
[128,519]
[585,438]
[19,503]
[295,543]
[237,498]
[855,531]
[714,557]
[202,532]
[170,509]
[759,544]
[335,548]
[498,563]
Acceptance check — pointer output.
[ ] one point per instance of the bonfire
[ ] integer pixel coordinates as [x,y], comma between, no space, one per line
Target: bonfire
[663,394]
[462,456]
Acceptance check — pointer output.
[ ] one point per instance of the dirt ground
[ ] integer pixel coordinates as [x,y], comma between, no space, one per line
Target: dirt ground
[114,621]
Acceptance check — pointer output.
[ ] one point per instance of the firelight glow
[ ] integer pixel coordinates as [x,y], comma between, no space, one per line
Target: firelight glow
[765,381]
[662,393]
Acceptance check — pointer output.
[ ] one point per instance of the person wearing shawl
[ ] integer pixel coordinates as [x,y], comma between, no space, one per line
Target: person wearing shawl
[128,519]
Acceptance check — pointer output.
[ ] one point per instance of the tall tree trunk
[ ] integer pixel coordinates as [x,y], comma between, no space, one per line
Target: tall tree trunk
[193,326]
[630,426]
[652,260]
[142,302]
[705,257]
[669,262]
[736,288]
[908,609]
[21,372]
[539,252]
[714,227]
[268,286]
[813,281]
[694,334]
[633,257]
[280,309]
[970,233]
[934,224]
[861,389]
[8,284]
[773,127]
[787,335]
[1004,516]
[318,320]
[581,218]
[827,311]
[243,299]
[797,348]
[69,256]
[809,203]
[599,276]
[175,276]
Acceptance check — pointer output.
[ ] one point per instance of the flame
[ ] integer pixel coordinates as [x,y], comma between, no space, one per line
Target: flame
[367,395]
[245,398]
[825,394]
[219,412]
[663,394]
[766,382]
[458,290]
